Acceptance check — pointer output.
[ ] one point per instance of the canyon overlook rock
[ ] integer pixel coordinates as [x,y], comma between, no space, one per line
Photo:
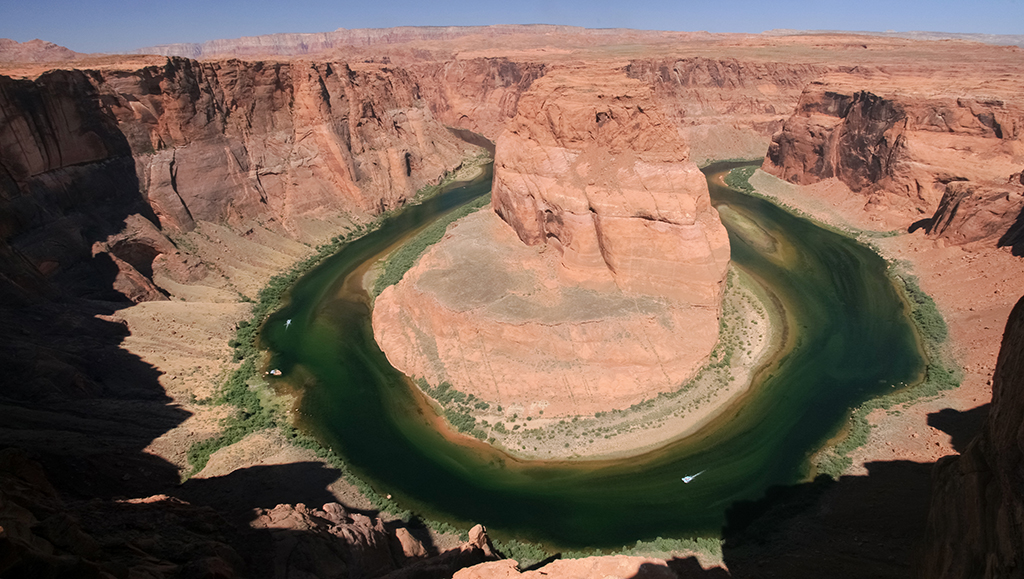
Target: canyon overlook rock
[602,285]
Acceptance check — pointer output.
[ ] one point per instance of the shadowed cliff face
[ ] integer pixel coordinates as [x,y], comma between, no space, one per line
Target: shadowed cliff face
[99,170]
[976,522]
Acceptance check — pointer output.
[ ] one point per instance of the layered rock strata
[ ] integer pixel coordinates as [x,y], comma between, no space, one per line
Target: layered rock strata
[727,107]
[601,286]
[224,142]
[479,94]
[899,139]
[592,168]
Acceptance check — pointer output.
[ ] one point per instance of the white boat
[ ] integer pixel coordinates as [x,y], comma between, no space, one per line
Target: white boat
[690,477]
[287,323]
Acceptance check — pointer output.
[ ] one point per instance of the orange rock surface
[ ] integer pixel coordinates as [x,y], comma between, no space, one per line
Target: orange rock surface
[606,288]
[899,139]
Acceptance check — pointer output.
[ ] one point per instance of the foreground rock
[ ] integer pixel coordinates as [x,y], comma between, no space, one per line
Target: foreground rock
[608,567]
[42,535]
[976,522]
[616,293]
[972,212]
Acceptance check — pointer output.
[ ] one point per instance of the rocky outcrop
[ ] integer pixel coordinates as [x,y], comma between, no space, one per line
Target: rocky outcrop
[898,139]
[592,168]
[976,521]
[981,213]
[332,542]
[224,142]
[42,535]
[602,286]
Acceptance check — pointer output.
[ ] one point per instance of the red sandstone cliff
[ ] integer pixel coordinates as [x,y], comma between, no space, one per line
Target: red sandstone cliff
[729,108]
[988,213]
[898,139]
[603,285]
[593,168]
[224,142]
[976,521]
[479,94]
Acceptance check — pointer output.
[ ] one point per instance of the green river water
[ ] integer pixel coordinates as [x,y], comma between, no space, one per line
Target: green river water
[851,340]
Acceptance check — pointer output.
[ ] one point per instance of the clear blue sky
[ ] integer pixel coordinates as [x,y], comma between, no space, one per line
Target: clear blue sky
[110,26]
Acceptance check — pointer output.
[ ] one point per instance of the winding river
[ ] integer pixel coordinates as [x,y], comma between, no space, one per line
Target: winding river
[851,339]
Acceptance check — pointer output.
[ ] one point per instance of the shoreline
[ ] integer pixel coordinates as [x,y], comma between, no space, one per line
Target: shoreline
[974,288]
[668,416]
[269,447]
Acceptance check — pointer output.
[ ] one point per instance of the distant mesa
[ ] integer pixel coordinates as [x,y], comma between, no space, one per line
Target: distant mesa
[35,51]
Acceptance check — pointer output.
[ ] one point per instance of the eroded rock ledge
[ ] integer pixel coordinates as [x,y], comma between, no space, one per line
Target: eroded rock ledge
[612,291]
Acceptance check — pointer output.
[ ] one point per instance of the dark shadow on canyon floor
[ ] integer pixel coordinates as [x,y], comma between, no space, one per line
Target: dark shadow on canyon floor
[856,527]
[1014,236]
[925,224]
[237,493]
[961,426]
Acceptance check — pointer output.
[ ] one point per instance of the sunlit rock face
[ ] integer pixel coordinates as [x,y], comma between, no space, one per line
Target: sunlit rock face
[601,283]
[899,140]
[592,168]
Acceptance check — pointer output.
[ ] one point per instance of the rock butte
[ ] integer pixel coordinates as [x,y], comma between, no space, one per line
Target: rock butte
[133,178]
[612,291]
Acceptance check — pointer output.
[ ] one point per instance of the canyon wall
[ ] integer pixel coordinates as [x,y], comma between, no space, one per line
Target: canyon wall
[223,142]
[479,94]
[976,521]
[727,107]
[899,139]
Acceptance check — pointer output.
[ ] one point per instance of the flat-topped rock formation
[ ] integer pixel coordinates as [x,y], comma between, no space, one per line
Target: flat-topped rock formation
[602,285]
